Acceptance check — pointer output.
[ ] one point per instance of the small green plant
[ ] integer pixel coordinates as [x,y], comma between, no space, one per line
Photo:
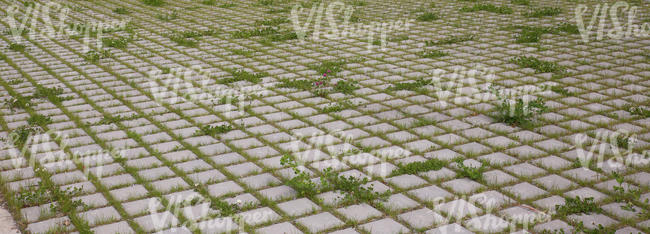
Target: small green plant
[295,84]
[44,193]
[227,5]
[428,16]
[473,173]
[301,182]
[412,86]
[39,120]
[338,106]
[272,22]
[532,34]
[432,54]
[168,16]
[489,8]
[520,111]
[358,3]
[623,141]
[628,196]
[544,11]
[118,118]
[183,41]
[346,87]
[209,2]
[265,2]
[577,206]
[242,52]
[520,2]
[19,102]
[17,47]
[51,94]
[638,110]
[285,35]
[215,130]
[539,65]
[121,11]
[154,2]
[451,40]
[16,81]
[21,135]
[561,90]
[351,187]
[119,42]
[417,167]
[93,56]
[332,67]
[265,31]
[243,75]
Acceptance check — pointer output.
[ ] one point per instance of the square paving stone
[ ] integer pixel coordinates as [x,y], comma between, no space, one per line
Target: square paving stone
[421,218]
[320,222]
[258,216]
[488,223]
[525,191]
[298,207]
[382,226]
[285,228]
[224,188]
[359,212]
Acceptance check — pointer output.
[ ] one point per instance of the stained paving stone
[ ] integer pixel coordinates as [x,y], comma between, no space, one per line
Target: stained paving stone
[298,207]
[525,191]
[320,222]
[421,218]
[386,225]
[358,213]
[285,228]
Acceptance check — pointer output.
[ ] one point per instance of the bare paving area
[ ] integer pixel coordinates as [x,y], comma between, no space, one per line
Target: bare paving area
[355,116]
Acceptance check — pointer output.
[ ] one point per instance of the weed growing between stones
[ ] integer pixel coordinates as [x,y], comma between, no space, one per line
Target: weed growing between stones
[561,90]
[520,2]
[168,16]
[417,167]
[489,8]
[338,106]
[428,16]
[51,94]
[214,130]
[353,189]
[118,42]
[628,196]
[411,86]
[39,120]
[22,134]
[121,11]
[243,75]
[451,40]
[19,102]
[577,206]
[432,54]
[539,65]
[637,110]
[155,3]
[473,173]
[17,47]
[93,56]
[544,11]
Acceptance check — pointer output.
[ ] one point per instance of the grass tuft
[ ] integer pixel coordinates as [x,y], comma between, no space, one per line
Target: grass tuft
[489,8]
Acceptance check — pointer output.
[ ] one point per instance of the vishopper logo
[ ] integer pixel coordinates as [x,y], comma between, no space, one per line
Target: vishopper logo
[193,84]
[346,30]
[43,149]
[619,143]
[617,31]
[463,83]
[461,208]
[199,215]
[37,12]
[341,152]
